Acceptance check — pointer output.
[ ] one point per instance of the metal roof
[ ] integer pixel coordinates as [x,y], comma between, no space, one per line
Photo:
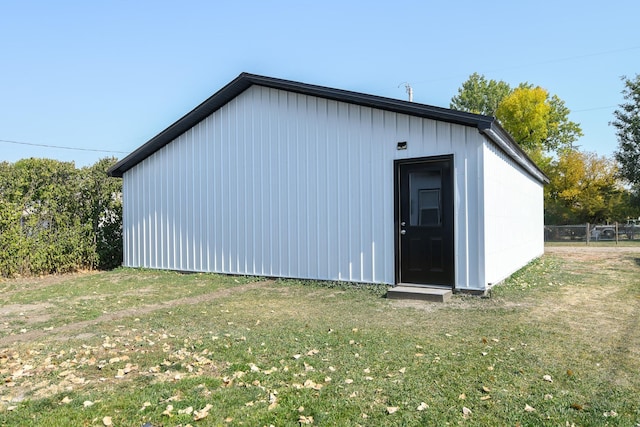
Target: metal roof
[485,124]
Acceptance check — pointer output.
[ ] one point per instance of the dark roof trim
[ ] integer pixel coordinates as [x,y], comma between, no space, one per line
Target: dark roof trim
[505,142]
[485,124]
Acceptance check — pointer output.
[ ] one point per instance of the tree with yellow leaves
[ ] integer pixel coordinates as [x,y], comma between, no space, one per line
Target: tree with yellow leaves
[583,188]
[525,114]
[539,122]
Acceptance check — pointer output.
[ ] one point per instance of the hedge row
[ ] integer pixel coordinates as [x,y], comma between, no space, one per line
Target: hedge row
[55,218]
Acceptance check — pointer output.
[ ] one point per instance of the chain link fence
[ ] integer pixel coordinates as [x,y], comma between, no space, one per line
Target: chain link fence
[592,232]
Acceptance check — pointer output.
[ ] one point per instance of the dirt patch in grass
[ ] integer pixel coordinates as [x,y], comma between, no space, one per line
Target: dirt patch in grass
[592,252]
[597,303]
[65,330]
[590,301]
[9,287]
[29,313]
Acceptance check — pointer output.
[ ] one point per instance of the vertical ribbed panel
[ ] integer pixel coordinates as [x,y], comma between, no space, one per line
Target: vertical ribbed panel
[280,184]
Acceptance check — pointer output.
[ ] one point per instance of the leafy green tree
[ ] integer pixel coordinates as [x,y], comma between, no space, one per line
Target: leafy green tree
[538,121]
[479,95]
[562,132]
[627,124]
[55,218]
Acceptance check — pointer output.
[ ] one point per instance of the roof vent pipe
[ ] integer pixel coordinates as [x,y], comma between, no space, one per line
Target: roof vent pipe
[409,89]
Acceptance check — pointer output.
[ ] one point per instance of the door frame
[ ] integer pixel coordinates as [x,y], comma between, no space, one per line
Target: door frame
[396,211]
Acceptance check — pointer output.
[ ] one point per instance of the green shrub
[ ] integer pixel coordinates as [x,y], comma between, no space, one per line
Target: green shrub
[55,218]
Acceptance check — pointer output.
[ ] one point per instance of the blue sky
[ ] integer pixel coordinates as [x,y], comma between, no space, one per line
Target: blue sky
[109,75]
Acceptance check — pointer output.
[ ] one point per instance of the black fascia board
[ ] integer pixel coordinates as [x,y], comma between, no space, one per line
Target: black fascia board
[505,142]
[246,80]
[186,122]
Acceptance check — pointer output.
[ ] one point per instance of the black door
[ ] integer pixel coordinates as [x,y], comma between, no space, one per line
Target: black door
[424,221]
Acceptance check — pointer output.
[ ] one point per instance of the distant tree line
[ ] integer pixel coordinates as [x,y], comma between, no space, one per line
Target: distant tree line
[584,186]
[56,218]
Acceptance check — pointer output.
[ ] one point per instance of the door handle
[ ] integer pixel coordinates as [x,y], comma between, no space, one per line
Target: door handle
[403,223]
[403,232]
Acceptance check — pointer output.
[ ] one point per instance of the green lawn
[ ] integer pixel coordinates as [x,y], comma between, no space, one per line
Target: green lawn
[557,345]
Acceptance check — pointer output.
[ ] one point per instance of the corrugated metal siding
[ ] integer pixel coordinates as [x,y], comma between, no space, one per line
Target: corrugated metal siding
[280,184]
[514,219]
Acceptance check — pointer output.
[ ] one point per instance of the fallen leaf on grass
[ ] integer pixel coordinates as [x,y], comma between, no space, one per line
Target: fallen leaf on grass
[547,378]
[186,411]
[392,409]
[466,412]
[487,397]
[529,408]
[422,406]
[167,411]
[107,421]
[462,396]
[87,403]
[273,401]
[202,413]
[174,398]
[312,384]
[305,420]
[486,389]
[66,400]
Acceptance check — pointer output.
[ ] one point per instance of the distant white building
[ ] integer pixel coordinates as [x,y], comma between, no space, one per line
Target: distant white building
[278,178]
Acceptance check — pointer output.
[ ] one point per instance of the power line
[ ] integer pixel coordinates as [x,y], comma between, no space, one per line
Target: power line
[63,148]
[595,108]
[542,62]
[568,58]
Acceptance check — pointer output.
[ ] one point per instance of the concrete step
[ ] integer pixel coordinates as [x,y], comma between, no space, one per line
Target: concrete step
[419,293]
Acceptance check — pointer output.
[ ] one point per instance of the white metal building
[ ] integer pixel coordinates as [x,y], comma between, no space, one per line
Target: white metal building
[278,178]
